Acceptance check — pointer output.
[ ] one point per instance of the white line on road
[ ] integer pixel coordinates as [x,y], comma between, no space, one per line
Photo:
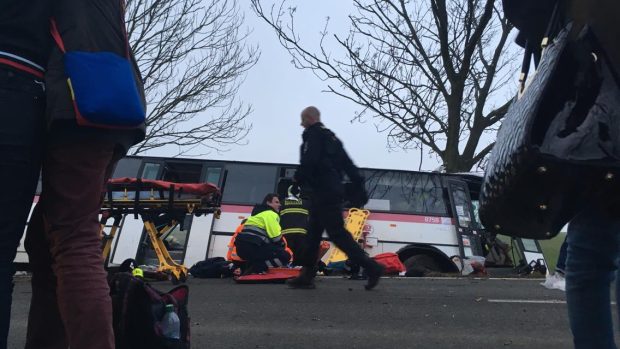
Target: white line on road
[534,301]
[531,301]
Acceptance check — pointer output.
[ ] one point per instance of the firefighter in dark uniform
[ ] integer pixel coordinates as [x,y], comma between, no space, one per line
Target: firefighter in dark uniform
[294,222]
[320,175]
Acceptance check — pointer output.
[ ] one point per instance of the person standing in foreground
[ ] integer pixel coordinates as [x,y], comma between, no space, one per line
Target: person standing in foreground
[593,238]
[71,305]
[25,45]
[323,164]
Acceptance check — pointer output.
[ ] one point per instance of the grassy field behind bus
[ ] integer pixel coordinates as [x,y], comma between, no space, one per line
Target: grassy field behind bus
[551,249]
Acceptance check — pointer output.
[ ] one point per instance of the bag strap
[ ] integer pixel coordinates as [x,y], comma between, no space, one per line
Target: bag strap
[56,36]
[552,27]
[61,45]
[124,29]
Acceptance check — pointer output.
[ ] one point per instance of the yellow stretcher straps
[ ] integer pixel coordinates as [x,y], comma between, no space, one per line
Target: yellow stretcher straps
[354,223]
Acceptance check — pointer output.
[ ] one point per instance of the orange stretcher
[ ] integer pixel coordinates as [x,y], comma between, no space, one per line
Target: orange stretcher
[151,199]
[273,275]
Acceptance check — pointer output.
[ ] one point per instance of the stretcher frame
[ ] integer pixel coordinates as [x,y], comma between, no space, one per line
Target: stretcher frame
[171,202]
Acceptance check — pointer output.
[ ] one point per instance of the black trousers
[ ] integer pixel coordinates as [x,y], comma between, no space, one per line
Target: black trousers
[326,215]
[297,243]
[260,257]
[22,122]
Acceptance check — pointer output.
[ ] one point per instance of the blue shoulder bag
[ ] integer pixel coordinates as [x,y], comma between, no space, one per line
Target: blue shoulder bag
[102,86]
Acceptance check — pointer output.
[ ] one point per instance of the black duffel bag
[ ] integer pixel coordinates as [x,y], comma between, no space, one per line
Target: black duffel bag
[557,149]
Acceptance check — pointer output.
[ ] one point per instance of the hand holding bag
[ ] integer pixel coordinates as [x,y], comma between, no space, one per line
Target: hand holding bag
[559,144]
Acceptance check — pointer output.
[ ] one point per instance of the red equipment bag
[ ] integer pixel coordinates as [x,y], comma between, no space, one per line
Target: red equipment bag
[391,262]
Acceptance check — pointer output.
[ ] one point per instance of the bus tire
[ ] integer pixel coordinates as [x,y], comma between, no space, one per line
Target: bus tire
[421,265]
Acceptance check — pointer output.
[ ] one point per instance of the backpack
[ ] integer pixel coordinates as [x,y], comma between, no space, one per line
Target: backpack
[214,268]
[138,308]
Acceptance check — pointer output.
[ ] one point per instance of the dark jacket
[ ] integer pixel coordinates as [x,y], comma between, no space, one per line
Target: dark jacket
[294,216]
[323,163]
[92,26]
[24,29]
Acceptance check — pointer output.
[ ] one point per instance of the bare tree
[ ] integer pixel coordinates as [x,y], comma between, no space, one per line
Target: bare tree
[429,70]
[193,58]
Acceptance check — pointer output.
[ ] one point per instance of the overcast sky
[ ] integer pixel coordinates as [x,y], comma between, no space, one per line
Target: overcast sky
[278,92]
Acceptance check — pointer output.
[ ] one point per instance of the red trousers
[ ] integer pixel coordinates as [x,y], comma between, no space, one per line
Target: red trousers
[70,305]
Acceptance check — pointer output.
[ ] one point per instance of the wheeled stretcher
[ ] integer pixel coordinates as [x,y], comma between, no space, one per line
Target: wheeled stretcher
[151,200]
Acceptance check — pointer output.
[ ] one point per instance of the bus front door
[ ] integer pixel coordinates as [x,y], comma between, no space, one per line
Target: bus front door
[462,212]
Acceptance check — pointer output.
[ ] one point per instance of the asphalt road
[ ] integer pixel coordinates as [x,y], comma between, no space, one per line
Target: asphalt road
[400,313]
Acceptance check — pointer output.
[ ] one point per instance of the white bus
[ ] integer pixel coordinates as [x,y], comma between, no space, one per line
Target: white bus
[426,218]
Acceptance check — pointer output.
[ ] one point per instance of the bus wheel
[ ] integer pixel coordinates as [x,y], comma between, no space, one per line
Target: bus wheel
[421,265]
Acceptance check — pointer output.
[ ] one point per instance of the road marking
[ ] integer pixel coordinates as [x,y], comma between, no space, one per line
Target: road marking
[531,301]
[534,301]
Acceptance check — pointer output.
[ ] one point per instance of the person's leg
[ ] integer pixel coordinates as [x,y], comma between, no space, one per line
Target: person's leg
[45,327]
[592,257]
[22,123]
[296,242]
[331,216]
[251,253]
[310,254]
[276,256]
[73,180]
[560,266]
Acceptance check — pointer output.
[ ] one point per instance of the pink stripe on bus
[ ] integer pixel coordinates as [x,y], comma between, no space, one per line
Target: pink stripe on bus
[408,218]
[236,209]
[379,216]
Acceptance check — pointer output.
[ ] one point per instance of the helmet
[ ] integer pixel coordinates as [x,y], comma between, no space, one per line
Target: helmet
[137,272]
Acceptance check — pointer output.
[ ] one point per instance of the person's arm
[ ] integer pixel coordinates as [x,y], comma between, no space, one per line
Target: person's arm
[272,226]
[310,157]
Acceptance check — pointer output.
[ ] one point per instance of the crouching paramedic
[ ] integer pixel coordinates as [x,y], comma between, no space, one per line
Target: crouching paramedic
[260,242]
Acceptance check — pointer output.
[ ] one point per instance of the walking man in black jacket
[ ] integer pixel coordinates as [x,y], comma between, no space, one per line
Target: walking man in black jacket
[323,164]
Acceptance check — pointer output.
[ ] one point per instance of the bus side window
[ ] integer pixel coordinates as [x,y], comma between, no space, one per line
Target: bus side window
[127,167]
[182,172]
[151,170]
[247,184]
[213,175]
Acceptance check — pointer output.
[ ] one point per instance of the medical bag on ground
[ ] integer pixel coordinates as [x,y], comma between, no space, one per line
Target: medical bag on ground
[212,268]
[139,311]
[391,262]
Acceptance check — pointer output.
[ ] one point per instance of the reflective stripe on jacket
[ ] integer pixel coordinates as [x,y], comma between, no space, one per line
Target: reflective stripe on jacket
[294,217]
[265,224]
[232,255]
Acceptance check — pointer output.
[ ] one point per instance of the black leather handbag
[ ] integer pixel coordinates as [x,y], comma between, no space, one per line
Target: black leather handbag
[558,148]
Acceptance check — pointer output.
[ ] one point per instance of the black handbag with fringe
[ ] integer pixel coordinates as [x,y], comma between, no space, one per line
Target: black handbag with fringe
[558,148]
